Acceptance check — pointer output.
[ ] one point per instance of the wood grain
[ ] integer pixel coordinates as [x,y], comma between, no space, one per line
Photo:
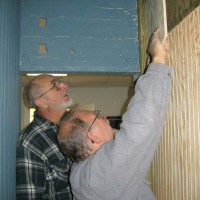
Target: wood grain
[177,10]
[175,171]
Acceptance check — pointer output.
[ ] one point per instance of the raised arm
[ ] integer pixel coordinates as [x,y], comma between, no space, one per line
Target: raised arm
[117,170]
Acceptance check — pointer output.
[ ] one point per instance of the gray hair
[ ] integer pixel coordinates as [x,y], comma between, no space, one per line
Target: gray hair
[33,90]
[72,137]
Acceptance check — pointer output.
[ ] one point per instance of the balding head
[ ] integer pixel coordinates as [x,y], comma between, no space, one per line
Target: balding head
[35,88]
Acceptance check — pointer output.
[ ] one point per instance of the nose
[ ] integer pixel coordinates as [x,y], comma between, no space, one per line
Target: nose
[63,85]
[104,117]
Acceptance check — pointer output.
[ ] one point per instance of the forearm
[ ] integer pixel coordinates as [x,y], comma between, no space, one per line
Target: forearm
[152,93]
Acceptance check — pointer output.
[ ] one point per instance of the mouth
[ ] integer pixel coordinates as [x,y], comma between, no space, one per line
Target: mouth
[66,96]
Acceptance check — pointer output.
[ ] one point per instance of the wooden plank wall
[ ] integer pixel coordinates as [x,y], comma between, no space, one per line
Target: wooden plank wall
[143,36]
[178,9]
[175,171]
[156,16]
[151,14]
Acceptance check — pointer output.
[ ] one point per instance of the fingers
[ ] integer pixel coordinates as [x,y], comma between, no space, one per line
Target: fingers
[155,37]
[155,42]
[165,43]
[158,49]
[166,46]
[157,32]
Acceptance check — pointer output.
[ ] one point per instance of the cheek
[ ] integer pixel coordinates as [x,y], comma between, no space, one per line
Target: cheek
[106,133]
[54,100]
[57,98]
[109,133]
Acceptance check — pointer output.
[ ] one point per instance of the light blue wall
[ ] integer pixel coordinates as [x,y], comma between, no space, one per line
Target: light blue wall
[81,36]
[9,95]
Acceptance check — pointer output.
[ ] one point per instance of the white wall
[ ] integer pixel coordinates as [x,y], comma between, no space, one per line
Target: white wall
[112,101]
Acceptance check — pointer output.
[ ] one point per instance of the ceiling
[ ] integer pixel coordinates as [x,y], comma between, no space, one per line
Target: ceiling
[92,80]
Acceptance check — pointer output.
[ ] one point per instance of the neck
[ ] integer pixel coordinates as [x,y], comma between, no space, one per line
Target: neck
[51,115]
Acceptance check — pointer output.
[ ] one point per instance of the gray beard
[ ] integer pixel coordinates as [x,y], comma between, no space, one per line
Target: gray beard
[66,104]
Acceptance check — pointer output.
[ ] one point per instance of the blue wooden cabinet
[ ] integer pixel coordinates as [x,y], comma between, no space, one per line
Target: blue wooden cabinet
[79,36]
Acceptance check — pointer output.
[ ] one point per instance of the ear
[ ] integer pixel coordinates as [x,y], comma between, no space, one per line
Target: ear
[41,103]
[93,137]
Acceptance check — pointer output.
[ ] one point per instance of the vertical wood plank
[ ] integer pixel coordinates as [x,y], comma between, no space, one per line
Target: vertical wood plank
[143,36]
[156,16]
[151,14]
[175,171]
[177,10]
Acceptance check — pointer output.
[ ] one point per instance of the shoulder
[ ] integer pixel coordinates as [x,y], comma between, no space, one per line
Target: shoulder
[38,136]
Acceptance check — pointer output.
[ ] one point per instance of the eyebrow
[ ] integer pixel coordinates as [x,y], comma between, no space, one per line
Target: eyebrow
[53,80]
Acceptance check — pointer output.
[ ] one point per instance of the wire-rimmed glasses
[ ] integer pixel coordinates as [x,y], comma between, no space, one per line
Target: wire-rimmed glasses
[99,115]
[55,82]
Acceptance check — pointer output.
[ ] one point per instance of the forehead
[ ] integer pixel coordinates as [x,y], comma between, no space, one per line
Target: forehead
[85,114]
[43,80]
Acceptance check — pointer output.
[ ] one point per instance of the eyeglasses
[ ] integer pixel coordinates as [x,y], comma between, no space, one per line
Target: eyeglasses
[55,82]
[99,115]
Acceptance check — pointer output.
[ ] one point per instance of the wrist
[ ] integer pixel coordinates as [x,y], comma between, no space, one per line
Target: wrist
[159,59]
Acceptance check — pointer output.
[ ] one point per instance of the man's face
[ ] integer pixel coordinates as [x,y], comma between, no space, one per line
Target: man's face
[55,91]
[99,126]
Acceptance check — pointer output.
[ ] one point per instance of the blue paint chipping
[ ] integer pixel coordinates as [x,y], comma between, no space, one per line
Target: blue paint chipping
[90,36]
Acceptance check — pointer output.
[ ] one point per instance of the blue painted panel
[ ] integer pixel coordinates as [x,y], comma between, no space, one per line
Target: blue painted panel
[101,33]
[10,96]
